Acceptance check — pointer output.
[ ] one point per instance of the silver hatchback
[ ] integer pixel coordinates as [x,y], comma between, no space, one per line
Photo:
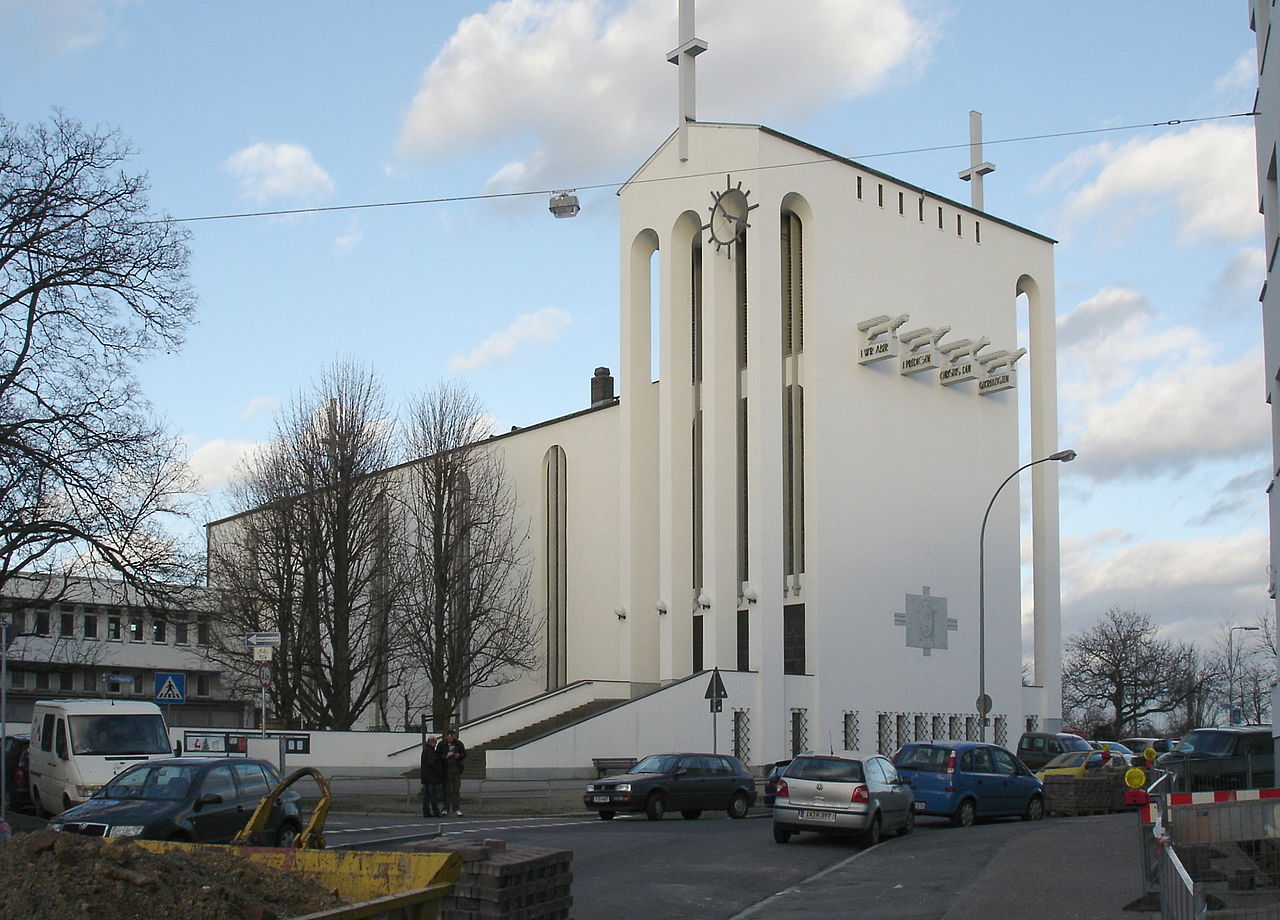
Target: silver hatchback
[846,793]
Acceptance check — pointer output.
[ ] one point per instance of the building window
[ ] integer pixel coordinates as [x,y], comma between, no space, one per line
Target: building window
[799,731]
[157,631]
[65,681]
[697,643]
[113,627]
[91,626]
[742,734]
[42,680]
[202,684]
[42,622]
[202,631]
[135,629]
[180,632]
[744,640]
[89,681]
[17,679]
[792,246]
[137,685]
[556,510]
[793,639]
[67,625]
[850,731]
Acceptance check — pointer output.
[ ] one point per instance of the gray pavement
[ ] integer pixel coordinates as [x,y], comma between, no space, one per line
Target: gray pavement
[1084,868]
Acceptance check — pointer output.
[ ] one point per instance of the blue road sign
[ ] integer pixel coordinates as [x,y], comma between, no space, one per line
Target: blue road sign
[171,687]
[263,638]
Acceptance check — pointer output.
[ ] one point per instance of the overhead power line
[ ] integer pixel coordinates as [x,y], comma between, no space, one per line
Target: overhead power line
[284,212]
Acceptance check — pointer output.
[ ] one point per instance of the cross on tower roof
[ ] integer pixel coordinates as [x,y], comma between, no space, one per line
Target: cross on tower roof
[683,55]
[977,168]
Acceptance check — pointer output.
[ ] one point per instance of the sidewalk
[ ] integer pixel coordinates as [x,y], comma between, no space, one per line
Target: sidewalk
[1085,868]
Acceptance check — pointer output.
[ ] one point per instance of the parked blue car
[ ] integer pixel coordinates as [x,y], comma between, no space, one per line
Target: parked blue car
[968,780]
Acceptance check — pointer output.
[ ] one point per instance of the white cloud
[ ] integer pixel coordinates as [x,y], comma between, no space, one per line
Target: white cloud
[1205,172]
[269,172]
[1186,585]
[348,241]
[260,404]
[1243,74]
[504,73]
[543,326]
[1140,397]
[60,26]
[214,462]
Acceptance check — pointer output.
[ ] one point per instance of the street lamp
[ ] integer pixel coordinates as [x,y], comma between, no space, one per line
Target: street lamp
[1231,671]
[984,701]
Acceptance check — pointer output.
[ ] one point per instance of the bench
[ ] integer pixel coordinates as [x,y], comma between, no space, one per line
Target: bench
[607,765]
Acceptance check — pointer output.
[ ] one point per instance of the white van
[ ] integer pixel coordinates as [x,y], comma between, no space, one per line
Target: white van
[77,746]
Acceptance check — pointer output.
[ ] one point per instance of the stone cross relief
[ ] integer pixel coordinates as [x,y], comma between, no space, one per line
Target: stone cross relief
[926,621]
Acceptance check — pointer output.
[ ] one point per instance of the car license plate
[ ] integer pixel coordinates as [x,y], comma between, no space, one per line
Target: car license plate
[600,799]
[807,815]
[919,806]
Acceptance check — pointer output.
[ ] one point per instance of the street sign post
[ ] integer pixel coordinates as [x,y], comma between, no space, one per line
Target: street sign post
[263,652]
[170,687]
[717,694]
[264,678]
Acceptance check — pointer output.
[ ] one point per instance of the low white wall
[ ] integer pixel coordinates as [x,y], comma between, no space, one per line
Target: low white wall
[332,753]
[676,718]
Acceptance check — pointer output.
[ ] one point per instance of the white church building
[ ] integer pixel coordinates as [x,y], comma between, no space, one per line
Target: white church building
[797,499]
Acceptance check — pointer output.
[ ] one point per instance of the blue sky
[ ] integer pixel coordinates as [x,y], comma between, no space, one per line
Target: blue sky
[250,106]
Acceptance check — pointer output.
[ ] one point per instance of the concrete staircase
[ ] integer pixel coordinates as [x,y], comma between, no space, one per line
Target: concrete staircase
[475,768]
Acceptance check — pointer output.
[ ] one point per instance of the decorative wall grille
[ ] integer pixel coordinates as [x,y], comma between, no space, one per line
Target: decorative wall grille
[953,728]
[920,733]
[850,730]
[799,731]
[1033,723]
[1002,731]
[882,733]
[970,728]
[742,734]
[900,735]
[937,727]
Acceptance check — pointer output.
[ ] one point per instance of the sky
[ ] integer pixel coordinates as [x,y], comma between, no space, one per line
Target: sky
[239,107]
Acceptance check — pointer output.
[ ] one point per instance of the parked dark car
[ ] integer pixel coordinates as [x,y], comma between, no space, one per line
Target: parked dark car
[845,793]
[17,778]
[1237,757]
[1159,745]
[771,782]
[1035,749]
[196,799]
[968,780]
[687,783]
[1119,751]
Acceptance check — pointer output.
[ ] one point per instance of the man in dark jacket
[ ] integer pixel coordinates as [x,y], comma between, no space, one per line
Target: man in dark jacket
[432,776]
[453,752]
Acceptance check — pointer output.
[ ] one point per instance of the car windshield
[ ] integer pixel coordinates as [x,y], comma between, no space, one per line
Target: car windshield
[825,770]
[1075,743]
[152,782]
[925,757]
[115,733]
[655,763]
[1206,742]
[1069,759]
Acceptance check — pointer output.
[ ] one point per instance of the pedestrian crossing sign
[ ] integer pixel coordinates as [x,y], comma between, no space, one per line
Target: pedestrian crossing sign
[171,687]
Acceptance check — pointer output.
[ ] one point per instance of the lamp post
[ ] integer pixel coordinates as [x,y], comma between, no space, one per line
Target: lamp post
[1231,671]
[984,702]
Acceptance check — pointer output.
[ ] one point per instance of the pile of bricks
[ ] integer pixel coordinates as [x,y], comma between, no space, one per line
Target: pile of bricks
[500,882]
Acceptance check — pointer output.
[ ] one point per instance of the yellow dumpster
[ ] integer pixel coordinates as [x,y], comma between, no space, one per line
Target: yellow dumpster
[404,886]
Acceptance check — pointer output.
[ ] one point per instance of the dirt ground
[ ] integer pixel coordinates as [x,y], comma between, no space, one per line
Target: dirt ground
[45,874]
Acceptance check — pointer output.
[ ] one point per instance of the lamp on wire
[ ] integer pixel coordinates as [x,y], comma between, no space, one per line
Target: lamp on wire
[564,204]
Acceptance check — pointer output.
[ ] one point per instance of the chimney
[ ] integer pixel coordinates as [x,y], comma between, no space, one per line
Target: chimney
[601,387]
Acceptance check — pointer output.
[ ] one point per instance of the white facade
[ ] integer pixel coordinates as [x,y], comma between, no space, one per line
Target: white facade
[897,469]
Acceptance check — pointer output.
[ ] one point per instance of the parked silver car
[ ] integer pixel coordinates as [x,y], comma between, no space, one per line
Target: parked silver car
[847,793]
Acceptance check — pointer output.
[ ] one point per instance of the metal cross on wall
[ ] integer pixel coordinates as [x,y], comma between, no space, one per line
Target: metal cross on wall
[683,55]
[978,168]
[926,621]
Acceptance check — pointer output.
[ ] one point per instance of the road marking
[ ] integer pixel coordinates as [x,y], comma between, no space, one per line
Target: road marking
[759,906]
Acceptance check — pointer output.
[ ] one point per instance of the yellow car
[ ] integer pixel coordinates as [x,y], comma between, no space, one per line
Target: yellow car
[1079,763]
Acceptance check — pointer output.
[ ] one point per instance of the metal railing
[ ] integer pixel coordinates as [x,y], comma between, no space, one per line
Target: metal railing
[1180,897]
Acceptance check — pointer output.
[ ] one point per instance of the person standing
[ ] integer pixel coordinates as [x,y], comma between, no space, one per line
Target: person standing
[452,752]
[432,777]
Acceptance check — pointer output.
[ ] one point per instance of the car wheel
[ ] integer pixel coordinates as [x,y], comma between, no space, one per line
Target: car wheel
[691,814]
[909,826]
[655,806]
[287,834]
[738,806]
[965,815]
[781,835]
[607,815]
[1035,809]
[871,836]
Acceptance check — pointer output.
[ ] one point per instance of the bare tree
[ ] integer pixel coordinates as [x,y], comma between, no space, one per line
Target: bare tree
[1123,665]
[464,614]
[308,554]
[90,284]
